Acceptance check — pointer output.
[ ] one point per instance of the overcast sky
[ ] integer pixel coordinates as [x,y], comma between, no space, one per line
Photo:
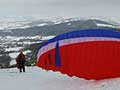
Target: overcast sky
[60,8]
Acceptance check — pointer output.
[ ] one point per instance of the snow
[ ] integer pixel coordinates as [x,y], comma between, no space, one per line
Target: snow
[11,24]
[28,42]
[23,27]
[15,38]
[20,40]
[14,54]
[59,22]
[43,24]
[47,37]
[13,62]
[13,49]
[104,25]
[1,28]
[37,79]
[69,24]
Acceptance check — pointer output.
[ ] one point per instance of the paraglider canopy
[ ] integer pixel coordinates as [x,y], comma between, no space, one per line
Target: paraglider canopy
[89,54]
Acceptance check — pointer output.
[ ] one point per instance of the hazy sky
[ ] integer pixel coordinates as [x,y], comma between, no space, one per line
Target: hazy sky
[60,8]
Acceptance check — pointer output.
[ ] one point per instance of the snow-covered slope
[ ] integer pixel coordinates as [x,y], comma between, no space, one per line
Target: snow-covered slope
[37,79]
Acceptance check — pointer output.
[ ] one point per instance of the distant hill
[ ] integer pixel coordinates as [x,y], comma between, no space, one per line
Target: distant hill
[56,28]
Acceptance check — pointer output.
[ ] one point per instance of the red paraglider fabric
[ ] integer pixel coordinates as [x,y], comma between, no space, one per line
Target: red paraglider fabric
[91,58]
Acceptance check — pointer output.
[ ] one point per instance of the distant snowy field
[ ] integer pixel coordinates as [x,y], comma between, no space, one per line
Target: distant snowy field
[13,44]
[37,79]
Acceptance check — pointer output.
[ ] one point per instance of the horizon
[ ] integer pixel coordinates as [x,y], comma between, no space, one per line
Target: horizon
[28,18]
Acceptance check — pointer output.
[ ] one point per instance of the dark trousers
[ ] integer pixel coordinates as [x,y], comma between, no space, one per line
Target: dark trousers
[21,68]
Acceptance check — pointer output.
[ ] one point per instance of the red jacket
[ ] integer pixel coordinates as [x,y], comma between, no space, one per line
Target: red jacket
[20,59]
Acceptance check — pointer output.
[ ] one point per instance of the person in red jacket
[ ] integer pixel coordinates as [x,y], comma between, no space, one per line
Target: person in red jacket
[20,60]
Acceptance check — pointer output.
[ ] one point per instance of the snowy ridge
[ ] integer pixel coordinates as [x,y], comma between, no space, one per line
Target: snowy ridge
[23,24]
